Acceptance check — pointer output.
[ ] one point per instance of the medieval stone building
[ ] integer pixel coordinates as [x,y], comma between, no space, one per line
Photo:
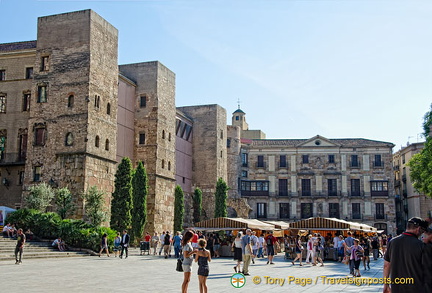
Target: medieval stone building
[69,114]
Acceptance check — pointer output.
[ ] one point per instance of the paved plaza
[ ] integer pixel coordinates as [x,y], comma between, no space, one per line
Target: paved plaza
[156,274]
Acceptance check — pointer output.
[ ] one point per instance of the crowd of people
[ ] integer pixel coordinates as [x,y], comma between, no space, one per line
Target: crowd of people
[405,256]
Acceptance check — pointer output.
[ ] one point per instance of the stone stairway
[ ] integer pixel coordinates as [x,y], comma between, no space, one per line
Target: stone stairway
[34,249]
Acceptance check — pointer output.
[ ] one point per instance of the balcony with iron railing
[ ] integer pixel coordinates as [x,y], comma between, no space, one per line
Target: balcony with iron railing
[7,159]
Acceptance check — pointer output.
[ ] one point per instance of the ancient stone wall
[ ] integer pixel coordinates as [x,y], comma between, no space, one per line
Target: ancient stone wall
[209,161]
[75,86]
[155,119]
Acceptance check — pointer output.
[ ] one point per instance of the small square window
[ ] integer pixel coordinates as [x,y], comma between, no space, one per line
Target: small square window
[42,94]
[29,73]
[3,104]
[37,173]
[143,101]
[142,138]
[45,63]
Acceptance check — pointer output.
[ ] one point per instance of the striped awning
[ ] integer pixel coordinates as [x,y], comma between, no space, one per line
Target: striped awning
[279,224]
[330,224]
[233,224]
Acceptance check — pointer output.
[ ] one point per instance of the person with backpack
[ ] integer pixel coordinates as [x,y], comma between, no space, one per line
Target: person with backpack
[254,243]
[270,242]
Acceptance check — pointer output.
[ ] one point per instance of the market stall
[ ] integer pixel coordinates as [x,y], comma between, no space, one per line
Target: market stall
[234,225]
[329,228]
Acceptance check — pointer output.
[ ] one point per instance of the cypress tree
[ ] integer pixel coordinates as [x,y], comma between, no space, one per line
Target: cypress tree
[221,198]
[197,205]
[140,191]
[121,204]
[178,208]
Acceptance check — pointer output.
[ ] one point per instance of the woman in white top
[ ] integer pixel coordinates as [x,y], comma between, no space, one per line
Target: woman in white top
[188,252]
[238,254]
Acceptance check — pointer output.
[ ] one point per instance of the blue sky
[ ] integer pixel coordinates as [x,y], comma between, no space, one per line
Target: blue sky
[340,69]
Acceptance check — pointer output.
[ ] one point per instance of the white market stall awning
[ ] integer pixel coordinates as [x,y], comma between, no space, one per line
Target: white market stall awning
[223,223]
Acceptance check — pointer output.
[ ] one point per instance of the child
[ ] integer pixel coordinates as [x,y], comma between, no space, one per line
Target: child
[203,257]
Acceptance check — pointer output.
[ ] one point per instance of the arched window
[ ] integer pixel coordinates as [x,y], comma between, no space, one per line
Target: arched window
[69,139]
[70,101]
[163,134]
[97,141]
[163,164]
[107,145]
[109,109]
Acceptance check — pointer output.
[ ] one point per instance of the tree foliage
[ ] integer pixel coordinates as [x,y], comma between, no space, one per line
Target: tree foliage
[139,211]
[221,198]
[427,122]
[178,208]
[421,163]
[197,205]
[94,206]
[40,197]
[121,204]
[64,202]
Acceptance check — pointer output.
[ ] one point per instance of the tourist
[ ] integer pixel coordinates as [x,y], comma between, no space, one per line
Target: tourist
[21,239]
[177,244]
[247,251]
[310,250]
[124,244]
[356,253]
[217,242]
[319,251]
[167,245]
[299,250]
[104,244]
[238,254]
[161,241]
[155,242]
[188,252]
[350,242]
[365,243]
[59,244]
[375,247]
[117,244]
[270,242]
[261,246]
[210,243]
[254,242]
[203,257]
[406,257]
[7,231]
[342,247]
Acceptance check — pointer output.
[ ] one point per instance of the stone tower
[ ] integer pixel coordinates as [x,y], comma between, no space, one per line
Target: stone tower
[72,123]
[209,141]
[155,120]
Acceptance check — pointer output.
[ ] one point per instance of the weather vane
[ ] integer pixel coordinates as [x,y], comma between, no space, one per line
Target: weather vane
[238,103]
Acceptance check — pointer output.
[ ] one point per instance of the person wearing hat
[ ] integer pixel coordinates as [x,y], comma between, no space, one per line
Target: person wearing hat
[406,258]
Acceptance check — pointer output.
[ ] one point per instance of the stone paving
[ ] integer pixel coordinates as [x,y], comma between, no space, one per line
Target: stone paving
[156,274]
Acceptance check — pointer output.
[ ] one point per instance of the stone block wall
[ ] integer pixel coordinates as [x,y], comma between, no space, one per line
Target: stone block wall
[209,161]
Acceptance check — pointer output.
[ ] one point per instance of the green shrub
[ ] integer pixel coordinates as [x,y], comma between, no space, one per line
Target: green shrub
[23,218]
[75,233]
